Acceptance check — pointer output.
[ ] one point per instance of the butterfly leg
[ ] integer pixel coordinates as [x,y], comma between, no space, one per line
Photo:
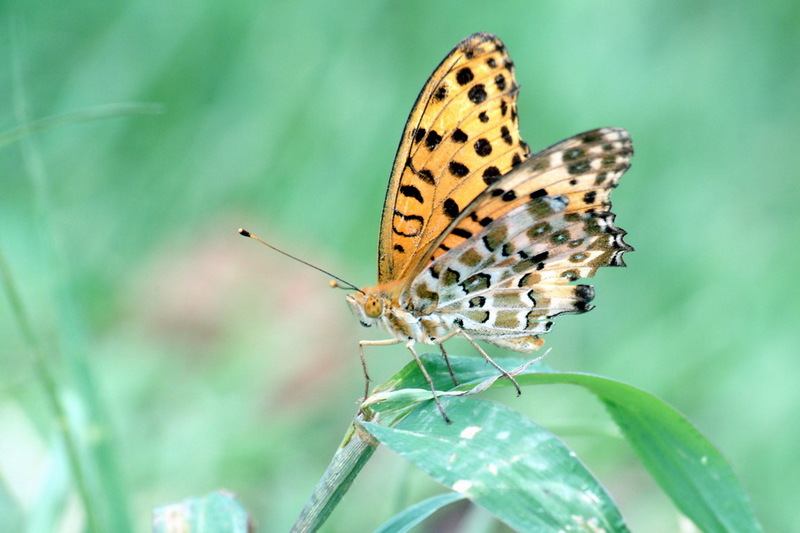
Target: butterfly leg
[361,344]
[410,346]
[447,361]
[490,360]
[440,343]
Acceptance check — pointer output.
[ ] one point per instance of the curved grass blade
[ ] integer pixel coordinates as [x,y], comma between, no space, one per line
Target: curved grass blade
[505,463]
[690,470]
[88,114]
[414,515]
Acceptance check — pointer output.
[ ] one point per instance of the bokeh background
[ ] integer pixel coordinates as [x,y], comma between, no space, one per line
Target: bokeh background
[192,359]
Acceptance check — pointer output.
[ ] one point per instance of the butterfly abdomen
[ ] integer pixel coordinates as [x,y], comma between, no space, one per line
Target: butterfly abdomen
[409,325]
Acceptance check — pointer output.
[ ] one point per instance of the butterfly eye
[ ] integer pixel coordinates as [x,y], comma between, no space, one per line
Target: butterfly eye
[373,307]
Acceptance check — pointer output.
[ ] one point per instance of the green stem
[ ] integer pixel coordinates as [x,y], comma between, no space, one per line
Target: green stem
[93,467]
[74,117]
[354,452]
[62,425]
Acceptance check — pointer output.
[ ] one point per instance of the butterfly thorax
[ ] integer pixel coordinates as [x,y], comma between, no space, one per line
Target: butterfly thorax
[383,306]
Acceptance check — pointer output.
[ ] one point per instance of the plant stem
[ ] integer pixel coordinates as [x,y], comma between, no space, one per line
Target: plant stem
[354,452]
[62,424]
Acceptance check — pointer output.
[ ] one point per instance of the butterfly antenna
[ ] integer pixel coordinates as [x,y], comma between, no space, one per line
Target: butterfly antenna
[347,284]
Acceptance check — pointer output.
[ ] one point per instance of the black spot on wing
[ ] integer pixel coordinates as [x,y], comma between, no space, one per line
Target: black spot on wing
[509,140]
[409,191]
[491,175]
[538,193]
[426,176]
[432,140]
[457,169]
[477,93]
[459,136]
[483,147]
[464,76]
[451,209]
[538,258]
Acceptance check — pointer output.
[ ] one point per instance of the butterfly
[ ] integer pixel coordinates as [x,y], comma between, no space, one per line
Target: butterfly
[480,238]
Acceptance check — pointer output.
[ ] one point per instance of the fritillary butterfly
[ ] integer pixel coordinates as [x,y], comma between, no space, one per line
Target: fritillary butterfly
[478,237]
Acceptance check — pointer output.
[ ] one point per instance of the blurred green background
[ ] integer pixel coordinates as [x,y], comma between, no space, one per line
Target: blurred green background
[217,363]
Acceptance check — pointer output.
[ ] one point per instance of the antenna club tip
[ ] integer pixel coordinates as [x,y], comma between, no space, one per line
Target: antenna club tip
[244,232]
[333,283]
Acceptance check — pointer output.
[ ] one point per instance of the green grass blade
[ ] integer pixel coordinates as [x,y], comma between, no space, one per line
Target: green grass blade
[66,432]
[75,117]
[414,515]
[81,425]
[347,462]
[11,513]
[505,463]
[692,472]
[217,512]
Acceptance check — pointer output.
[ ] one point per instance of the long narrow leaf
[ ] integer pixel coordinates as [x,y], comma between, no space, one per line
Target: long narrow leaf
[414,515]
[691,471]
[505,463]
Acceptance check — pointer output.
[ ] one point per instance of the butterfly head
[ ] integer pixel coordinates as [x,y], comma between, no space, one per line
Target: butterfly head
[367,305]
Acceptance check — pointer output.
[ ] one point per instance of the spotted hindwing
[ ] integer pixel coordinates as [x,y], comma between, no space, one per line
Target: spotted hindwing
[501,270]
[461,136]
